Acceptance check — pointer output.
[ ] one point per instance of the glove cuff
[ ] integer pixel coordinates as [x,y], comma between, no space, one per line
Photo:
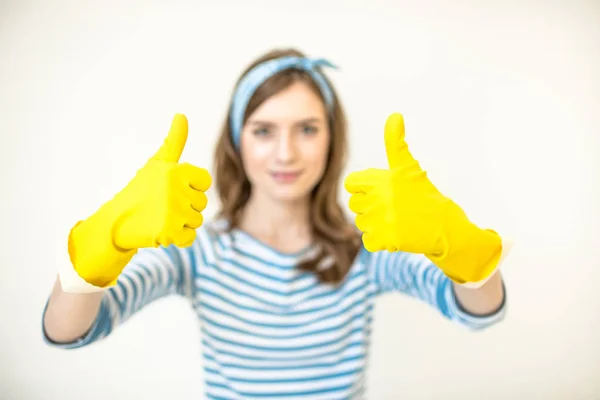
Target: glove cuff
[506,247]
[92,250]
[475,259]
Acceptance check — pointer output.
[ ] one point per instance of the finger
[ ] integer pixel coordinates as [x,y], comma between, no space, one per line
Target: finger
[174,143]
[164,239]
[198,200]
[198,178]
[391,248]
[395,146]
[359,181]
[359,203]
[370,243]
[184,237]
[362,223]
[194,220]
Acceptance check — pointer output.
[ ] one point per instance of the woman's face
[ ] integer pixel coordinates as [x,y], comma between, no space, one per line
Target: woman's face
[285,143]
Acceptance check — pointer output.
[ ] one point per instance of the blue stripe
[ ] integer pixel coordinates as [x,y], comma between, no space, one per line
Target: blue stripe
[291,259]
[290,380]
[335,328]
[278,368]
[292,357]
[278,394]
[273,349]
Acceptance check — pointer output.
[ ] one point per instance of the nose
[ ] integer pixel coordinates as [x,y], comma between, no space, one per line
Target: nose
[286,148]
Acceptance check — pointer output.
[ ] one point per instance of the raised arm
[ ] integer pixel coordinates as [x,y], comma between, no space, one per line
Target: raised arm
[125,255]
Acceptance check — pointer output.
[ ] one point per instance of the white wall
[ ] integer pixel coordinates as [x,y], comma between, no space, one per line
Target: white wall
[502,107]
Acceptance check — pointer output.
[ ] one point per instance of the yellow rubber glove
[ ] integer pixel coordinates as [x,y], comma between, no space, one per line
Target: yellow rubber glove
[161,205]
[399,209]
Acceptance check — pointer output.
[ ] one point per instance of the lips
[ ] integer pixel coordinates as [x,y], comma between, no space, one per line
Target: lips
[285,177]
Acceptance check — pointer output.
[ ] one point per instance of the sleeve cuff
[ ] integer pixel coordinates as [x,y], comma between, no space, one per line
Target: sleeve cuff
[507,244]
[473,321]
[100,328]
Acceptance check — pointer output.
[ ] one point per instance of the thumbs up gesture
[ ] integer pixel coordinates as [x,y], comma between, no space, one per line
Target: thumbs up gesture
[161,205]
[399,209]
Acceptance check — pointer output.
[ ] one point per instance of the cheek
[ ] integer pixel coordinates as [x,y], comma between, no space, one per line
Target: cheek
[255,156]
[317,153]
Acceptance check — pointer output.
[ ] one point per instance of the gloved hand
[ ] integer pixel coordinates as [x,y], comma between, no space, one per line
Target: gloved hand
[399,209]
[161,205]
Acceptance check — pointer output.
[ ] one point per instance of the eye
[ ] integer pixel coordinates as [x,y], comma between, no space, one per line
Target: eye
[264,131]
[309,130]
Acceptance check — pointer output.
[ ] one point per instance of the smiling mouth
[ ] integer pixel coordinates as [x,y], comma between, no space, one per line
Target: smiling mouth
[286,177]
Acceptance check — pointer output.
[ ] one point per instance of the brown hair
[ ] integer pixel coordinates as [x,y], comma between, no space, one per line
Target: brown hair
[331,231]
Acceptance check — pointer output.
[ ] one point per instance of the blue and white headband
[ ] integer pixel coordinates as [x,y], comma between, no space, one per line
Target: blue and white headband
[259,74]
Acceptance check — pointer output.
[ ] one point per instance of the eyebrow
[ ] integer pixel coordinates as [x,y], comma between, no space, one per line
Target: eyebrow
[299,122]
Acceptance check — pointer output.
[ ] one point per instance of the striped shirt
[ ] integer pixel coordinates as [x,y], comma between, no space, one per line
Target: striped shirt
[270,330]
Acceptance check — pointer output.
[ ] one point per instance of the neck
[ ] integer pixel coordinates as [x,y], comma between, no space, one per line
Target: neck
[266,217]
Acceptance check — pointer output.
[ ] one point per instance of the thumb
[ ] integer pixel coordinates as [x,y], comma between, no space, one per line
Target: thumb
[175,142]
[395,146]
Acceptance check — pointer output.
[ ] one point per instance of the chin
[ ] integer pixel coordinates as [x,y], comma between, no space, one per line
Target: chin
[291,193]
[290,196]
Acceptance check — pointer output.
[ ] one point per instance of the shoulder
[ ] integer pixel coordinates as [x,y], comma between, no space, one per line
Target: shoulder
[363,256]
[211,232]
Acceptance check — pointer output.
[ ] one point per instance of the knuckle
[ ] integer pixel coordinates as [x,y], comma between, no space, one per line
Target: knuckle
[196,221]
[206,176]
[361,222]
[351,204]
[202,201]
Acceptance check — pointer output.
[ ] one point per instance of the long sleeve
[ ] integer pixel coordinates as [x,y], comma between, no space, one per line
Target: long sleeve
[151,274]
[415,275]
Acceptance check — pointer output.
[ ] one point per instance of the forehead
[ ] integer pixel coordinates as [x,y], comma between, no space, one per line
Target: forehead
[298,101]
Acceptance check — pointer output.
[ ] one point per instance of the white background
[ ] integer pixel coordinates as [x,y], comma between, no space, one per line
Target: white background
[502,106]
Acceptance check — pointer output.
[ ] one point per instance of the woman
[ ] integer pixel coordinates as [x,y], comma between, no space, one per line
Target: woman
[281,280]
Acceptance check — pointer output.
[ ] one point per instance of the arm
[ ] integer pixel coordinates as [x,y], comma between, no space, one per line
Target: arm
[68,316]
[116,264]
[483,300]
[416,276]
[72,320]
